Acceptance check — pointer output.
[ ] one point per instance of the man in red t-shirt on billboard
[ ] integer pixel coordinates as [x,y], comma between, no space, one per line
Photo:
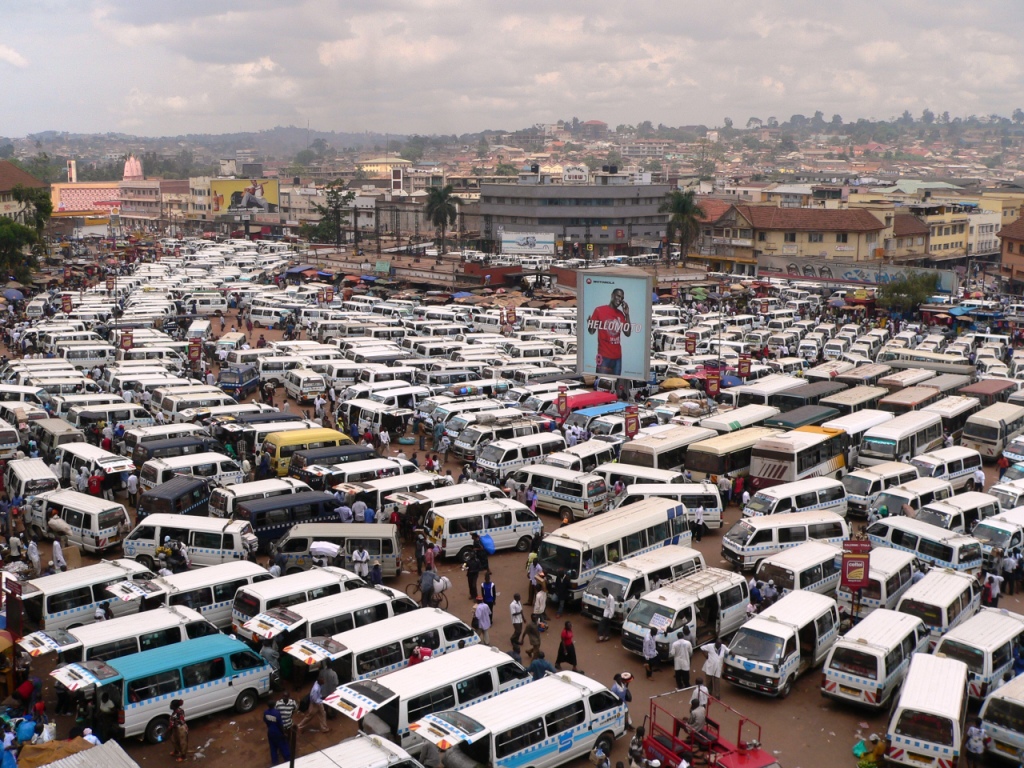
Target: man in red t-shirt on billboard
[609,321]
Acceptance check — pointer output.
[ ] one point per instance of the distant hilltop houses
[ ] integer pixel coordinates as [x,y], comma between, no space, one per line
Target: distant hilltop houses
[930,191]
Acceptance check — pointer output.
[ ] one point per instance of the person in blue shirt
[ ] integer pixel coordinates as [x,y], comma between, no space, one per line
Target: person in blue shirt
[540,666]
[369,516]
[376,576]
[279,751]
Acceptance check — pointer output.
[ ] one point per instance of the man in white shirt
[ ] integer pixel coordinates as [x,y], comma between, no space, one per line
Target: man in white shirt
[133,489]
[1009,568]
[607,614]
[746,497]
[361,562]
[681,651]
[516,609]
[698,523]
[359,510]
[979,479]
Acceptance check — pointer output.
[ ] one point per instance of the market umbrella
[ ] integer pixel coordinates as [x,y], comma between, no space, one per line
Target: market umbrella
[674,384]
[14,284]
[13,294]
[461,295]
[837,302]
[941,316]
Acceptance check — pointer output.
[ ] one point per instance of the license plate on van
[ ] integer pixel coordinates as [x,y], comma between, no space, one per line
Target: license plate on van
[922,759]
[849,691]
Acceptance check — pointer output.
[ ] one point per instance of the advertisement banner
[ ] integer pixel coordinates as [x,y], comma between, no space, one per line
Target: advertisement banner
[510,315]
[195,350]
[563,402]
[65,304]
[764,307]
[690,345]
[328,295]
[712,383]
[111,283]
[67,273]
[245,195]
[526,243]
[127,339]
[855,570]
[744,365]
[614,323]
[632,421]
[829,271]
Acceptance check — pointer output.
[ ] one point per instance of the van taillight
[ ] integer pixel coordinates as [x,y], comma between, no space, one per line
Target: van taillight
[120,717]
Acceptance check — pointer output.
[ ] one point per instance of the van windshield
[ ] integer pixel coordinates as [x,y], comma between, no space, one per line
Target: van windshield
[974,658]
[491,453]
[925,727]
[858,486]
[757,646]
[989,534]
[929,614]
[1005,714]
[934,517]
[645,611]
[853,662]
[472,435]
[879,446]
[616,587]
[110,518]
[761,504]
[982,432]
[740,533]
[558,559]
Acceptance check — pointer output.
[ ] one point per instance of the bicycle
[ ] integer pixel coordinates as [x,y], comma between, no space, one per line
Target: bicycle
[437,600]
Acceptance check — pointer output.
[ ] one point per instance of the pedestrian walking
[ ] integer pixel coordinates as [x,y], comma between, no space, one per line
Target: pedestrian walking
[566,648]
[681,651]
[489,593]
[361,562]
[316,710]
[531,632]
[650,653]
[620,687]
[540,605]
[277,736]
[482,621]
[714,665]
[977,738]
[472,573]
[607,614]
[428,581]
[287,706]
[698,523]
[516,609]
[178,729]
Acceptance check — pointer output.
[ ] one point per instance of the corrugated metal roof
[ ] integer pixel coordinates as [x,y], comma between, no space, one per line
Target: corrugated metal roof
[108,755]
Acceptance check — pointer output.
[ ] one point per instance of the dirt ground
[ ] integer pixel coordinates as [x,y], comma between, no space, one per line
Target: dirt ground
[804,730]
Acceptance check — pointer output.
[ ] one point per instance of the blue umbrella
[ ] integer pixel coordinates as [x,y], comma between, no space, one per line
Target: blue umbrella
[12,294]
[461,295]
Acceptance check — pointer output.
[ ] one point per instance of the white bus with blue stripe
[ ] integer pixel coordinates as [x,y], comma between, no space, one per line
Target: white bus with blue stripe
[582,548]
[1002,716]
[867,665]
[209,674]
[387,705]
[545,724]
[930,543]
[943,599]
[985,643]
[376,649]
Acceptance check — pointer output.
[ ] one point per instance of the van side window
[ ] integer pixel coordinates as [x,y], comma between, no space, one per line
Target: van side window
[541,483]
[72,517]
[246,660]
[934,549]
[333,626]
[805,500]
[200,629]
[811,576]
[658,532]
[317,592]
[633,542]
[113,650]
[378,658]
[206,540]
[595,557]
[436,700]
[824,624]
[783,505]
[511,672]
[733,596]
[836,493]
[499,520]
[904,539]
[519,738]
[159,638]
[790,533]
[564,718]
[908,646]
[905,574]
[764,536]
[457,631]
[475,687]
[226,591]
[893,659]
[1001,656]
[195,599]
[150,687]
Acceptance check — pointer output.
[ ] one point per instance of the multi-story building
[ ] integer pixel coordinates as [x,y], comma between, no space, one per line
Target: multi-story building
[200,203]
[1011,266]
[982,227]
[760,230]
[789,195]
[382,166]
[909,241]
[948,228]
[10,177]
[604,210]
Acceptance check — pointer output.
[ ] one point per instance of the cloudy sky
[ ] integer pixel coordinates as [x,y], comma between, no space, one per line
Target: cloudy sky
[453,66]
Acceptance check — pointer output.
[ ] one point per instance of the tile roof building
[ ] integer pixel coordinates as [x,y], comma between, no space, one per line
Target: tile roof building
[10,177]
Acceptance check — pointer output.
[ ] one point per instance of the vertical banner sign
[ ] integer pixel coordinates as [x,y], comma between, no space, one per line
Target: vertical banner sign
[563,402]
[12,604]
[711,383]
[195,350]
[690,345]
[744,365]
[675,291]
[328,295]
[632,421]
[127,339]
[855,570]
[66,304]
[502,317]
[511,315]
[613,323]
[111,282]
[67,273]
[764,307]
[321,296]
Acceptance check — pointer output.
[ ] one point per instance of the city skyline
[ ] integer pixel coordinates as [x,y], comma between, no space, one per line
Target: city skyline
[452,66]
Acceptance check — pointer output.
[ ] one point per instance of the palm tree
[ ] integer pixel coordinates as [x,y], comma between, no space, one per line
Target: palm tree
[685,215]
[442,209]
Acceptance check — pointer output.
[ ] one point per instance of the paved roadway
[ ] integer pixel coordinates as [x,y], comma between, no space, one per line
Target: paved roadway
[803,730]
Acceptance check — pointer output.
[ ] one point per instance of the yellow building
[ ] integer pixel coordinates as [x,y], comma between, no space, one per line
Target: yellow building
[948,228]
[838,234]
[1007,204]
[382,166]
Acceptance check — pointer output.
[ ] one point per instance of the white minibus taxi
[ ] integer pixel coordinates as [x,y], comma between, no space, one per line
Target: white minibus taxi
[901,439]
[371,650]
[813,566]
[570,494]
[942,599]
[389,704]
[121,636]
[985,643]
[1002,717]
[548,723]
[864,485]
[991,429]
[509,523]
[867,665]
[630,579]
[954,465]
[816,493]
[929,543]
[790,637]
[928,720]
[752,539]
[890,574]
[960,513]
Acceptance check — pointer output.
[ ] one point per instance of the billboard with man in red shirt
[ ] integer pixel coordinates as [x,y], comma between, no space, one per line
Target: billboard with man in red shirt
[614,325]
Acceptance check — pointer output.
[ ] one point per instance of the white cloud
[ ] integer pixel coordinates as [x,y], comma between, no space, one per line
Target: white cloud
[12,57]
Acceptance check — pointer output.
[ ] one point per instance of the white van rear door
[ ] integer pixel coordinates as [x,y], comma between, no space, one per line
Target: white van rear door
[273,623]
[442,733]
[134,590]
[315,650]
[82,675]
[357,705]
[42,643]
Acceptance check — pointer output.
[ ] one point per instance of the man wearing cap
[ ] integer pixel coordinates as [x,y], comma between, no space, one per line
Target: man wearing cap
[771,594]
[376,575]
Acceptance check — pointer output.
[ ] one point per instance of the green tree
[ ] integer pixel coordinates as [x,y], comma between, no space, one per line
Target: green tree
[908,292]
[684,217]
[7,150]
[333,214]
[754,122]
[506,169]
[837,121]
[1018,118]
[442,209]
[16,244]
[786,144]
[36,207]
[305,157]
